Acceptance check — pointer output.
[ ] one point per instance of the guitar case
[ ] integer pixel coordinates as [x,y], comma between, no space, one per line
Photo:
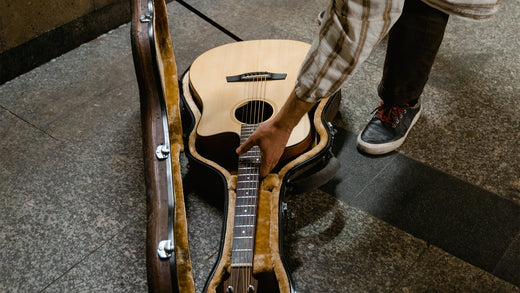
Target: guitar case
[167,108]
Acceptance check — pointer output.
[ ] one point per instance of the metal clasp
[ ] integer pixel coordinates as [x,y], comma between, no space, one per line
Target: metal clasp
[146,17]
[165,249]
[333,130]
[162,151]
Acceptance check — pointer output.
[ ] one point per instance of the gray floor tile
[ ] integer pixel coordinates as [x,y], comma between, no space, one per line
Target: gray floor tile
[55,214]
[357,171]
[438,271]
[56,88]
[470,223]
[508,267]
[117,266]
[337,248]
[65,193]
[204,227]
[456,138]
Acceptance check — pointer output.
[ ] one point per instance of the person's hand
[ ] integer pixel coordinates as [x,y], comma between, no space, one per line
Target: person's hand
[272,139]
[272,135]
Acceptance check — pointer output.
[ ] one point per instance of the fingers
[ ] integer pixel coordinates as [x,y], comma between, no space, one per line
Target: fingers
[272,142]
[248,144]
[266,166]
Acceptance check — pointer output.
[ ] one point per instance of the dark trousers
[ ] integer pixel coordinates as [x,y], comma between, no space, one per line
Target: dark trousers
[412,46]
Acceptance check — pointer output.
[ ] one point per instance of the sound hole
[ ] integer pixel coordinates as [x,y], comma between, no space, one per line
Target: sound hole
[254,112]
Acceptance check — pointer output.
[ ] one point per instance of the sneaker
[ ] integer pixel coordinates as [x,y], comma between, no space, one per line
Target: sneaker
[388,128]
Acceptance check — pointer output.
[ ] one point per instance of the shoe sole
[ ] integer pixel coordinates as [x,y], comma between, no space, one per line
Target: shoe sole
[384,148]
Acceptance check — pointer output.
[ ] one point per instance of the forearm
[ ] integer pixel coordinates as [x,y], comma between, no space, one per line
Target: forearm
[291,113]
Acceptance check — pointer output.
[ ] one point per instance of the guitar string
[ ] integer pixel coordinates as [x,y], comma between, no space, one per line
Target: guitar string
[251,187]
[256,109]
[239,253]
[257,103]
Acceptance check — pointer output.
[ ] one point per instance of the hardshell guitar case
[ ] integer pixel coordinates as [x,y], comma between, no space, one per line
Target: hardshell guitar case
[164,98]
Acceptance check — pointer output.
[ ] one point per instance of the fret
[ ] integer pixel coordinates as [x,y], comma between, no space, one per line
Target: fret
[246,197]
[242,250]
[248,169]
[247,188]
[247,178]
[243,231]
[252,153]
[249,264]
[249,218]
[244,226]
[245,210]
[243,237]
[245,206]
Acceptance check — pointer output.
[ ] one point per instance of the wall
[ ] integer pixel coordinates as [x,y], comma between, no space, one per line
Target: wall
[33,32]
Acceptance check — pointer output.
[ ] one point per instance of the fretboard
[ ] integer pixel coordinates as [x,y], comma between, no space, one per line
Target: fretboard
[246,202]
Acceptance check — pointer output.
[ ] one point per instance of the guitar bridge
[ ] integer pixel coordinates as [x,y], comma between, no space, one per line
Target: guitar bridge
[256,76]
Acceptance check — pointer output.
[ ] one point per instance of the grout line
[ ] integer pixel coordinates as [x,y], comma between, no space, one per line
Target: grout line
[408,271]
[82,259]
[29,123]
[372,180]
[507,251]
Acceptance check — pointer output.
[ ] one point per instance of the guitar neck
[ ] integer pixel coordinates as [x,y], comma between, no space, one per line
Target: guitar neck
[248,182]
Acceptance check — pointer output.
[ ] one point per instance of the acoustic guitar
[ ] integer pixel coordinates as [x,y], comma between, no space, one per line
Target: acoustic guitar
[238,86]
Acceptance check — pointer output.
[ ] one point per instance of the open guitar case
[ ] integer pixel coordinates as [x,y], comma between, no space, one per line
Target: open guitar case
[167,106]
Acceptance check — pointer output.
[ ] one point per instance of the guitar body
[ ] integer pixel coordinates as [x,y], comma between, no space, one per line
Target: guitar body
[227,92]
[223,102]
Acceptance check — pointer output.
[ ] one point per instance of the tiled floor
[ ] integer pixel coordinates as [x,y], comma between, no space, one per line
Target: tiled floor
[440,215]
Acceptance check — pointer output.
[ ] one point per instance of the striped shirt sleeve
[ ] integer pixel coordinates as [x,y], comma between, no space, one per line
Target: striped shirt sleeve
[349,31]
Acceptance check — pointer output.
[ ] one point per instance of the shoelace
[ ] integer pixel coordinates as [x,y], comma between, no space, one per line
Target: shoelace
[390,114]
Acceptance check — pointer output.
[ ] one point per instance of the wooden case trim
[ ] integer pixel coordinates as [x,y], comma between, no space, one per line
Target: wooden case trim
[156,73]
[158,271]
